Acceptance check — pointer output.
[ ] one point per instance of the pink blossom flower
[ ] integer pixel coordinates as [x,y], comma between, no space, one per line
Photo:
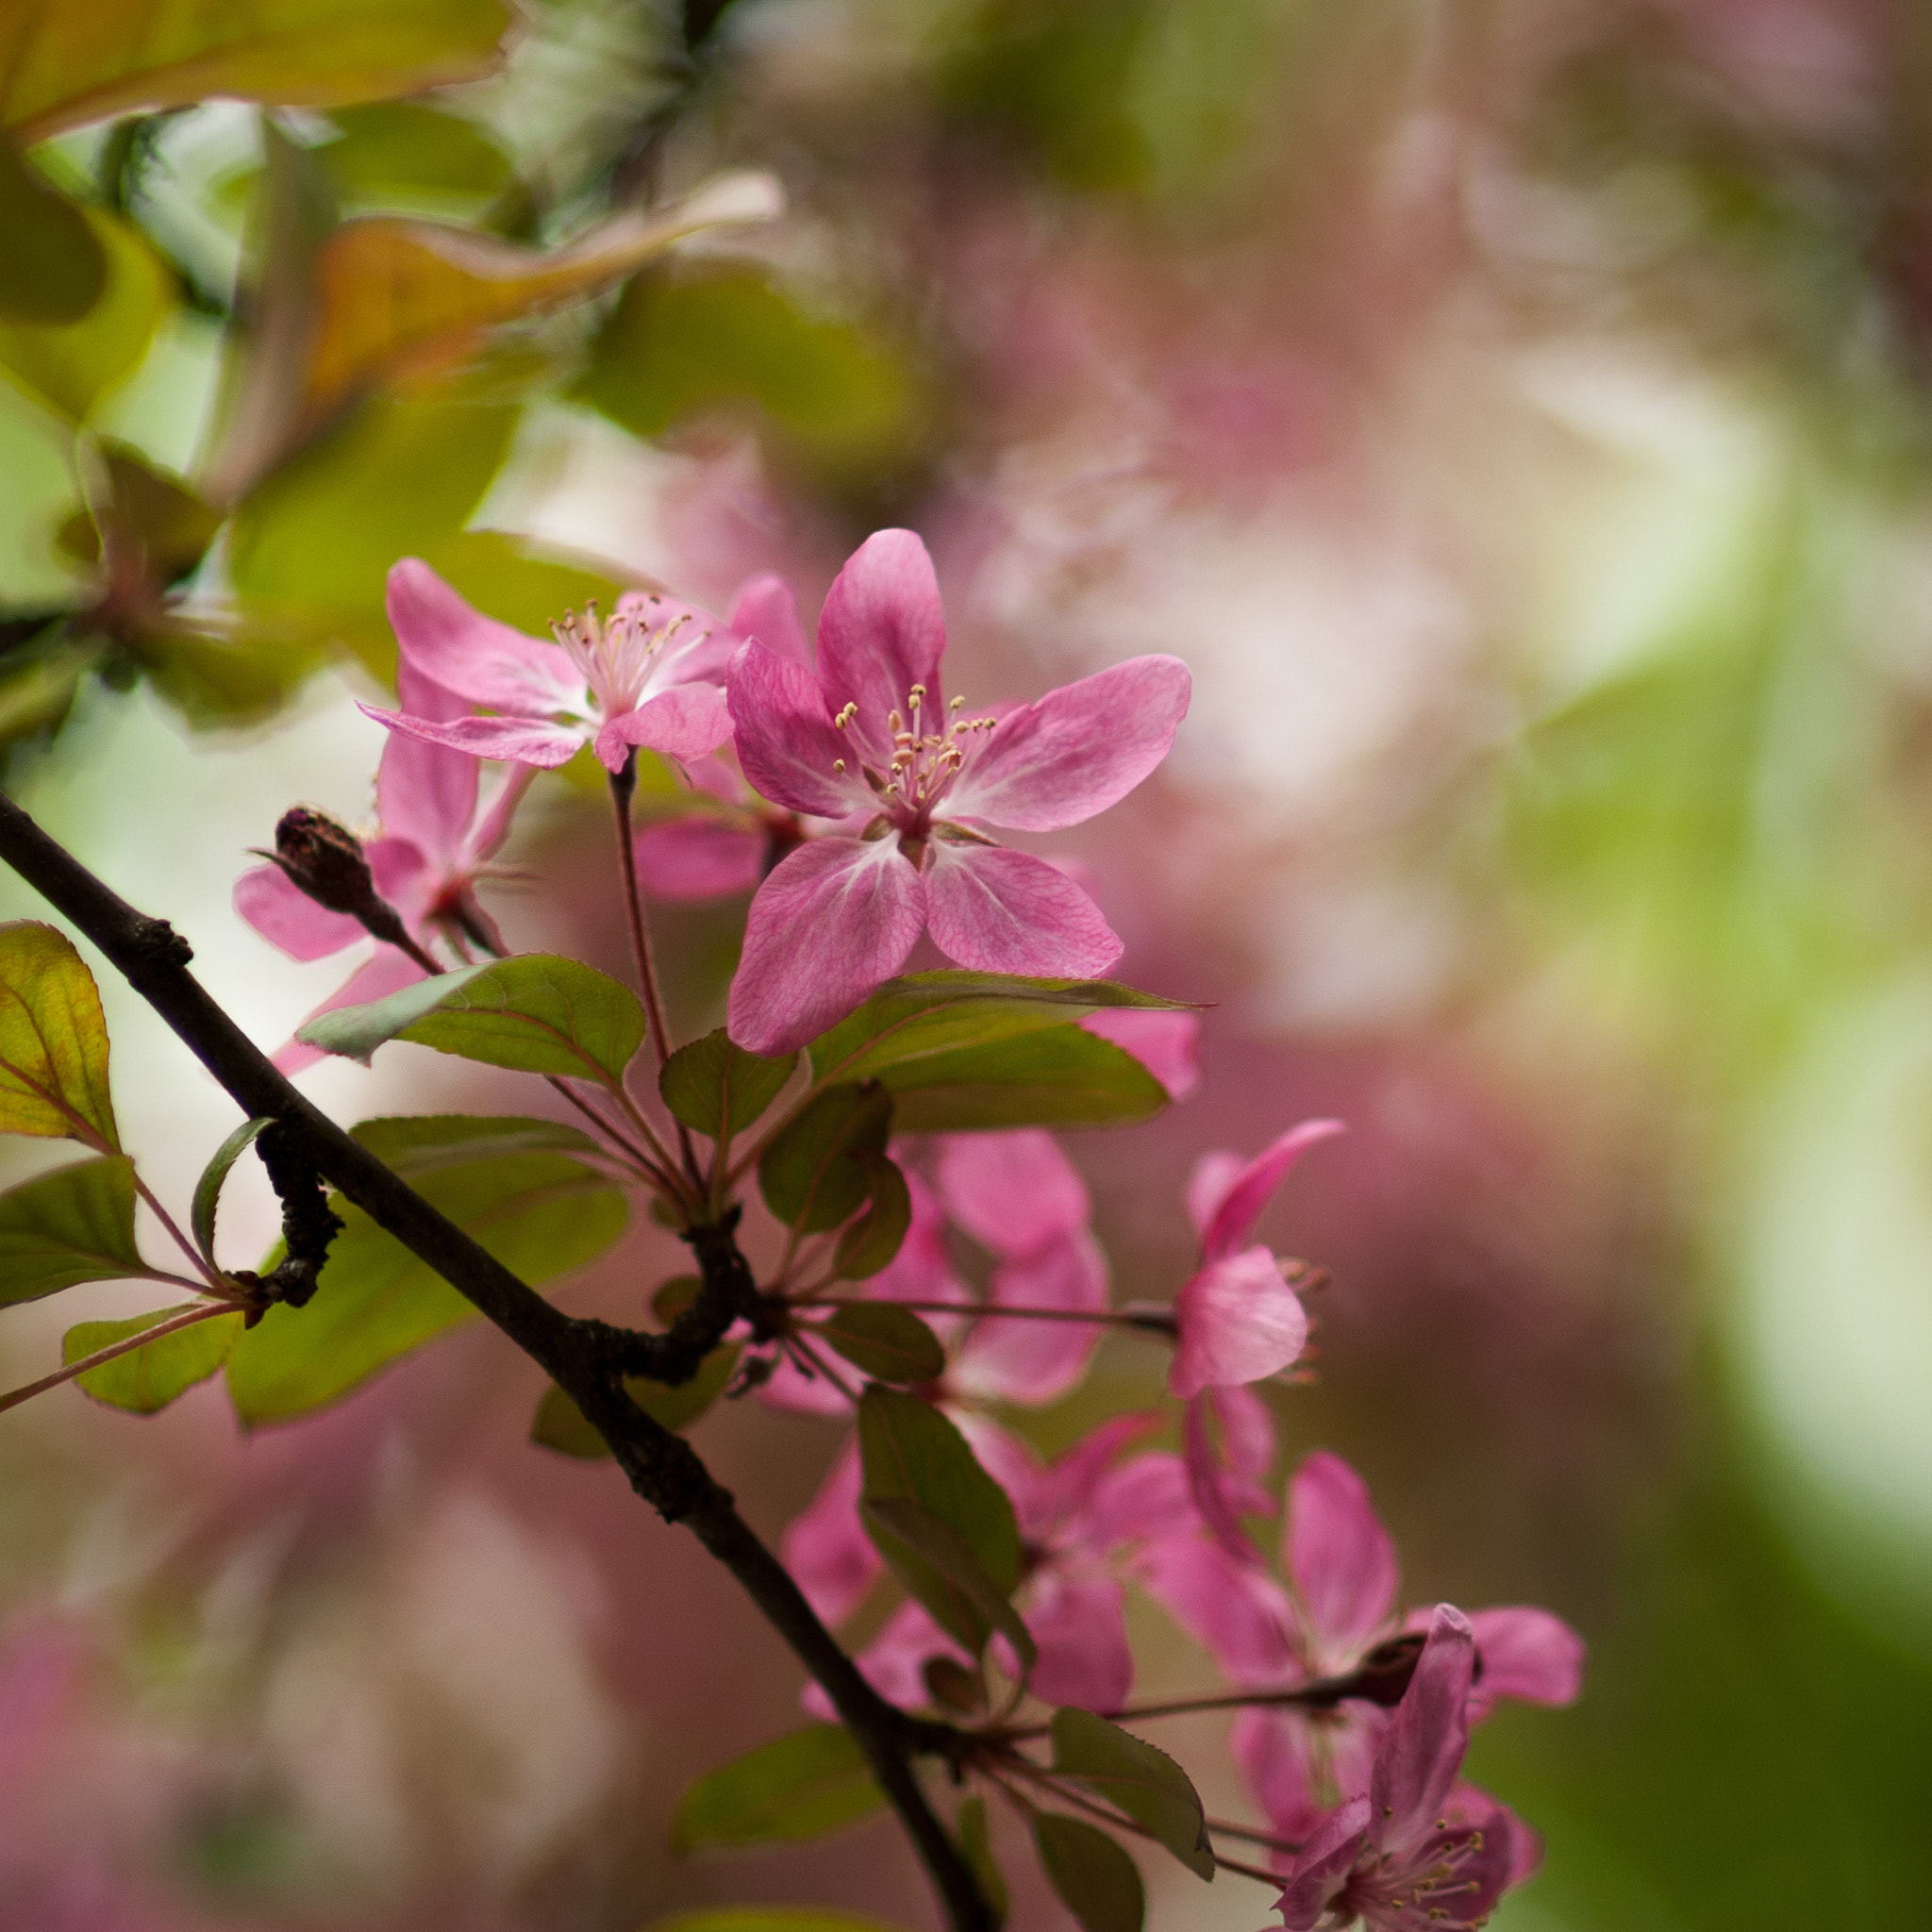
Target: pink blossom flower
[1416,1852]
[434,844]
[869,731]
[651,674]
[1238,1318]
[1083,1522]
[1340,1603]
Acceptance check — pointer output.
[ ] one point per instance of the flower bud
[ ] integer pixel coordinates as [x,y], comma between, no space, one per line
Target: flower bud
[324,859]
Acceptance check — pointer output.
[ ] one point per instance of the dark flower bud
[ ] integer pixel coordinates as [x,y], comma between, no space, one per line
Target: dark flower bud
[324,859]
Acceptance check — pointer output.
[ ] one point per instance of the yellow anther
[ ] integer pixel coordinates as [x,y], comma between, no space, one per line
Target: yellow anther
[955,704]
[838,764]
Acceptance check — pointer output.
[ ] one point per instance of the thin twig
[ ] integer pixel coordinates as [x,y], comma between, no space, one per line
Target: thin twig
[210,1275]
[991,1311]
[14,1397]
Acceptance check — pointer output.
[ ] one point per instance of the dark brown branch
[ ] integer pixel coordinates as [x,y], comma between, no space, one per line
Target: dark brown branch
[586,1358]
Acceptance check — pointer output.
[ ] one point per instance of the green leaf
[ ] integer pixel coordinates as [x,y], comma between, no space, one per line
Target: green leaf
[402,151]
[1145,1784]
[810,1174]
[53,1041]
[146,1381]
[538,1013]
[1095,1879]
[767,1918]
[976,1844]
[973,1050]
[937,1565]
[207,1190]
[516,1186]
[62,67]
[716,1087]
[74,1225]
[393,294]
[68,368]
[560,1424]
[142,511]
[798,1786]
[890,1343]
[55,266]
[872,1240]
[673,1297]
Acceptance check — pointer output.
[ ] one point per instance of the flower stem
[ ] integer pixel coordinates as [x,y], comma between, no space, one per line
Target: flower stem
[203,1266]
[14,1397]
[1155,1322]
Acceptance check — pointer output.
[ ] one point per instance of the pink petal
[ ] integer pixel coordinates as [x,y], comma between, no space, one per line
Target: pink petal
[791,1389]
[1227,1440]
[1239,1322]
[1033,1363]
[289,918]
[1213,1176]
[698,858]
[1012,1192]
[827,1549]
[1003,911]
[492,826]
[785,740]
[425,793]
[481,661]
[1528,1654]
[1079,1625]
[764,609]
[882,631]
[894,1662]
[1077,750]
[834,920]
[1323,1866]
[1144,1501]
[1076,1477]
[388,970]
[1300,1772]
[1422,1751]
[1233,1225]
[1339,1557]
[686,722]
[922,1271]
[1240,1615]
[529,741]
[1167,1044]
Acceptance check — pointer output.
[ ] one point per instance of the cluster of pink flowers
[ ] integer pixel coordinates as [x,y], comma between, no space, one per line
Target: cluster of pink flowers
[840,783]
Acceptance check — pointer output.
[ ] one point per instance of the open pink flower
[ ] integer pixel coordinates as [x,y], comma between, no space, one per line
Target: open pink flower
[1084,1521]
[651,674]
[1416,1852]
[1340,1603]
[1238,1317]
[433,846]
[869,731]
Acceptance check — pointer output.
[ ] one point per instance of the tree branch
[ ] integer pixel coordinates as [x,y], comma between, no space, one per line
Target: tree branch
[587,1359]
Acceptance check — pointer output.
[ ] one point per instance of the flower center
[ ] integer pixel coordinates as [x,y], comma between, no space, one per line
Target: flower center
[924,764]
[615,654]
[1428,1887]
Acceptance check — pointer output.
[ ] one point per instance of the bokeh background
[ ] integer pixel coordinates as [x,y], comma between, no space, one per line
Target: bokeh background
[1516,412]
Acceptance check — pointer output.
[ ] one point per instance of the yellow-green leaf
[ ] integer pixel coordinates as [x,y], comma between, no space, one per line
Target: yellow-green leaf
[71,1225]
[55,266]
[63,65]
[396,295]
[798,1786]
[145,1380]
[53,1041]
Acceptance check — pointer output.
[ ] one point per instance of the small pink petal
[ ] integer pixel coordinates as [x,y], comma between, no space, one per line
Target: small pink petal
[1076,751]
[1167,1044]
[1033,1363]
[785,740]
[834,920]
[686,722]
[1238,1614]
[1079,1625]
[894,1662]
[1527,1652]
[492,825]
[1208,1185]
[1339,1557]
[764,609]
[1323,1867]
[1280,1761]
[1239,1320]
[882,631]
[1012,1192]
[1144,1501]
[1003,911]
[827,1549]
[287,917]
[483,662]
[529,741]
[1422,1751]
[1240,1207]
[388,970]
[1076,1477]
[1224,1489]
[425,793]
[698,858]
